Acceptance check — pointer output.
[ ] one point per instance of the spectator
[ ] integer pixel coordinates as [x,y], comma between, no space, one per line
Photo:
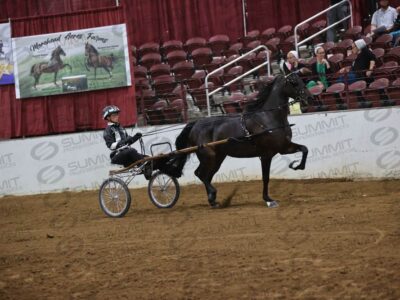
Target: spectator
[292,64]
[395,31]
[363,65]
[383,19]
[334,15]
[320,69]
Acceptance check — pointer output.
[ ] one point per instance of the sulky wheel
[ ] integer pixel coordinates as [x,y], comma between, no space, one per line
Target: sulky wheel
[114,198]
[163,190]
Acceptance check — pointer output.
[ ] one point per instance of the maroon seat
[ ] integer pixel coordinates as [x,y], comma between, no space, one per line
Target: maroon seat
[232,74]
[196,80]
[333,98]
[355,95]
[376,91]
[176,56]
[217,78]
[387,70]
[328,46]
[174,112]
[384,41]
[348,61]
[287,45]
[150,59]
[272,45]
[246,62]
[170,46]
[316,91]
[393,92]
[195,43]
[316,27]
[335,61]
[151,47]
[368,40]
[219,44]
[379,54]
[342,47]
[250,36]
[160,69]
[199,95]
[250,46]
[155,115]
[284,32]
[234,49]
[146,99]
[164,84]
[217,62]
[302,30]
[201,57]
[234,103]
[183,70]
[267,34]
[392,55]
[140,72]
[353,33]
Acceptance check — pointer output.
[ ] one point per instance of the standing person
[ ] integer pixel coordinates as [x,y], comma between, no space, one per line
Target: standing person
[320,69]
[334,15]
[291,64]
[362,67]
[116,138]
[383,19]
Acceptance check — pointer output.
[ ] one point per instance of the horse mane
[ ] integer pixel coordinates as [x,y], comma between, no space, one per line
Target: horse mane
[261,98]
[53,53]
[92,48]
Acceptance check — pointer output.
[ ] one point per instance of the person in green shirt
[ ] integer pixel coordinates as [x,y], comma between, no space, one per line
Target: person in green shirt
[320,69]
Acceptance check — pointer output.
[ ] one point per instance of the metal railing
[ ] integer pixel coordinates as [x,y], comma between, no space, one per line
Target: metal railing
[208,94]
[350,16]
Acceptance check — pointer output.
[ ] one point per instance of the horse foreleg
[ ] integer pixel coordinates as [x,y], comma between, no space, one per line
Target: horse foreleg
[55,78]
[209,165]
[266,167]
[109,72]
[293,148]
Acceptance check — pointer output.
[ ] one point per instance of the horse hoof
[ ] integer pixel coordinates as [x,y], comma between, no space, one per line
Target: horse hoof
[292,163]
[272,204]
[215,205]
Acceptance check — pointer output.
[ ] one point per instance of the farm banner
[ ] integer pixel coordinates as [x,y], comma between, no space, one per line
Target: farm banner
[71,61]
[6,61]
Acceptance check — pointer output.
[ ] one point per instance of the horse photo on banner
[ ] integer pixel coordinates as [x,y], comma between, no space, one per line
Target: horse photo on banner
[71,61]
[6,61]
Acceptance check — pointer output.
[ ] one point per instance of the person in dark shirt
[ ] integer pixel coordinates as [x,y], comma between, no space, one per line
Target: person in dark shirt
[118,141]
[321,69]
[291,64]
[362,66]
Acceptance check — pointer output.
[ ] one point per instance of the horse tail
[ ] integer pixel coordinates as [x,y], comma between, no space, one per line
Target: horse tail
[175,165]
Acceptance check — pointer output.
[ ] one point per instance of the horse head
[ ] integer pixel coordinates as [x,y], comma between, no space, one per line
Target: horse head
[296,89]
[57,52]
[90,49]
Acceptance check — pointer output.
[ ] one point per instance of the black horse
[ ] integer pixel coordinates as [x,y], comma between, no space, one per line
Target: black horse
[261,130]
[53,66]
[95,60]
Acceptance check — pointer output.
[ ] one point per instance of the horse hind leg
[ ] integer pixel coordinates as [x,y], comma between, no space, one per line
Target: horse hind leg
[109,72]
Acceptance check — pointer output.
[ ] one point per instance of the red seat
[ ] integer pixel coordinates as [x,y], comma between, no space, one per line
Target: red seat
[199,95]
[247,62]
[284,32]
[384,41]
[217,62]
[328,46]
[170,46]
[267,34]
[387,70]
[195,43]
[335,61]
[140,72]
[217,78]
[353,33]
[155,115]
[151,47]
[392,55]
[201,57]
[258,60]
[379,54]
[176,56]
[272,45]
[316,27]
[183,70]
[376,91]
[342,47]
[348,61]
[317,103]
[250,36]
[393,92]
[160,69]
[151,59]
[146,99]
[219,44]
[302,31]
[355,95]
[174,112]
[232,74]
[164,85]
[250,46]
[333,97]
[234,49]
[287,45]
[196,80]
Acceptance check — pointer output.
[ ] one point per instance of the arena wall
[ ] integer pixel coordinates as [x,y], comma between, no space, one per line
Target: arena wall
[360,144]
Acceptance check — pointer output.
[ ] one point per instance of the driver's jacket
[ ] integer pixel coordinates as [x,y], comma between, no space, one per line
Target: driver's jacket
[114,133]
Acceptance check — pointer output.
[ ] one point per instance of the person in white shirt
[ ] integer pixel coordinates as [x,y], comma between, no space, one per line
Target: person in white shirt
[383,19]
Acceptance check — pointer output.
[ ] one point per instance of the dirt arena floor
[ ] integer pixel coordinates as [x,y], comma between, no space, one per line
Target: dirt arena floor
[327,240]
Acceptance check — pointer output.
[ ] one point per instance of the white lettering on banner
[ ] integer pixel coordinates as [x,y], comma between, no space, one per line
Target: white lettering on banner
[369,148]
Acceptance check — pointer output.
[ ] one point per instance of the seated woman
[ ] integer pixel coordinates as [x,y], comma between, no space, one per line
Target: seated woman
[320,69]
[292,64]
[363,65]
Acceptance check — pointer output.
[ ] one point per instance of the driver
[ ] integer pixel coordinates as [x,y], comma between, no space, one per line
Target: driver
[116,138]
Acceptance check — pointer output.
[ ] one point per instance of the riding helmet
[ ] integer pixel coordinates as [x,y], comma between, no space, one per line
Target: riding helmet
[108,110]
